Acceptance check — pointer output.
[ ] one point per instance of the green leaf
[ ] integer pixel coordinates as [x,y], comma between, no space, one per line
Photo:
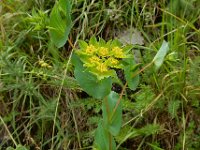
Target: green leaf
[127,48]
[159,58]
[102,138]
[100,76]
[76,61]
[143,98]
[129,71]
[116,42]
[127,132]
[154,146]
[89,82]
[173,107]
[93,41]
[82,44]
[150,129]
[113,122]
[91,85]
[102,42]
[60,22]
[19,147]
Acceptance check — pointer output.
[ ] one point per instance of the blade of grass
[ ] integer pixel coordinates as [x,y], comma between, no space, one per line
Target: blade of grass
[10,135]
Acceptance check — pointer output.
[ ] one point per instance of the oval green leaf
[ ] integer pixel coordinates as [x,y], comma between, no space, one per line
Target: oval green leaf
[60,22]
[129,70]
[159,58]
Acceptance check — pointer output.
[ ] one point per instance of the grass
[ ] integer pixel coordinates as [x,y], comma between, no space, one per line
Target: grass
[43,107]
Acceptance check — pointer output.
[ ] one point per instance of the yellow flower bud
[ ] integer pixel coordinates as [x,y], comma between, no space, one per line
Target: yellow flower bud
[102,67]
[90,49]
[94,59]
[103,51]
[113,61]
[118,52]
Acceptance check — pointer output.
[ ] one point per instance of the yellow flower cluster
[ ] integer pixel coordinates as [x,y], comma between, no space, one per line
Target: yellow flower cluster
[103,51]
[102,67]
[94,59]
[118,53]
[90,49]
[103,58]
[113,61]
[100,59]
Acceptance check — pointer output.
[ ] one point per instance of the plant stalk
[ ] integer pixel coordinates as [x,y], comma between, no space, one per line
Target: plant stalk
[108,112]
[124,88]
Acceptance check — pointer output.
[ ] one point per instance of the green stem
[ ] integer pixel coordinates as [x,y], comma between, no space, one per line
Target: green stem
[108,112]
[124,88]
[107,107]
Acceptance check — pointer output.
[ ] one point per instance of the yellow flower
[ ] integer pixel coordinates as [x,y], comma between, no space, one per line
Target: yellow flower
[112,61]
[90,49]
[103,51]
[102,67]
[101,58]
[94,59]
[118,52]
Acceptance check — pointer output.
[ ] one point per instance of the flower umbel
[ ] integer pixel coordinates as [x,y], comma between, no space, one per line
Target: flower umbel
[103,51]
[90,49]
[101,58]
[94,59]
[112,62]
[102,67]
[118,52]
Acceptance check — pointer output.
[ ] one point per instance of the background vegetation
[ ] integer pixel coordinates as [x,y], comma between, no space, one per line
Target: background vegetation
[36,78]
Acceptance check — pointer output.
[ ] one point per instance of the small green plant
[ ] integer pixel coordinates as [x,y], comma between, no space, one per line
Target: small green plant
[95,64]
